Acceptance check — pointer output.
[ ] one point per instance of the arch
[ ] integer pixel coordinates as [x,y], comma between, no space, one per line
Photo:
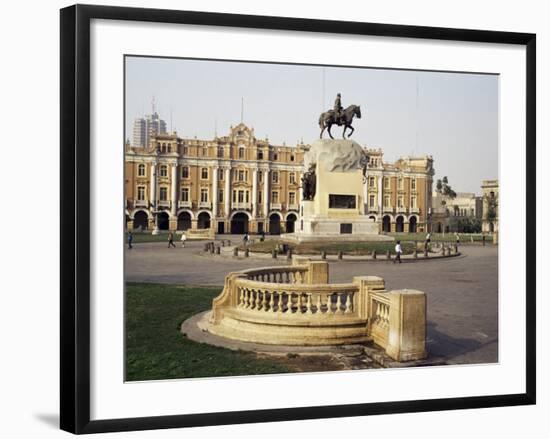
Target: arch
[239,223]
[275,223]
[140,220]
[184,220]
[372,218]
[291,219]
[189,211]
[413,222]
[274,212]
[203,220]
[236,212]
[163,220]
[386,223]
[399,224]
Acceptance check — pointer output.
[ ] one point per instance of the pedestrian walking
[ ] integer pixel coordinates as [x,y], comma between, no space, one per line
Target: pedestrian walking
[183,239]
[171,240]
[262,236]
[457,239]
[398,252]
[130,239]
[428,240]
[246,238]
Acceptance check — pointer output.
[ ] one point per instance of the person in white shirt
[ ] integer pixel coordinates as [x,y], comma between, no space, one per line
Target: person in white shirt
[398,252]
[183,239]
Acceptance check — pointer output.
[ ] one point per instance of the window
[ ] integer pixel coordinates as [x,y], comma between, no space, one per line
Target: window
[400,201]
[386,183]
[241,175]
[413,184]
[259,197]
[220,174]
[204,173]
[387,201]
[274,197]
[141,193]
[185,150]
[275,177]
[371,181]
[163,194]
[141,170]
[220,151]
[234,196]
[292,178]
[240,196]
[400,183]
[185,172]
[220,196]
[163,171]
[292,198]
[204,195]
[260,177]
[241,153]
[291,157]
[275,156]
[184,194]
[371,201]
[413,201]
[204,151]
[260,155]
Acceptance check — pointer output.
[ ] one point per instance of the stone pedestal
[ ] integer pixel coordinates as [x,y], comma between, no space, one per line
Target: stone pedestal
[337,210]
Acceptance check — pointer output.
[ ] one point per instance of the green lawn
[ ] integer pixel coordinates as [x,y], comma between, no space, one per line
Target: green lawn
[445,237]
[155,347]
[148,237]
[332,248]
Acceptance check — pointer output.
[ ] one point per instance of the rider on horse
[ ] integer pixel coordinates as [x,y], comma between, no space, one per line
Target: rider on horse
[338,109]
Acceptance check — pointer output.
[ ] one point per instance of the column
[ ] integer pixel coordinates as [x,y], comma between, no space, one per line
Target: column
[254,193]
[227,192]
[153,187]
[380,196]
[266,193]
[174,187]
[214,194]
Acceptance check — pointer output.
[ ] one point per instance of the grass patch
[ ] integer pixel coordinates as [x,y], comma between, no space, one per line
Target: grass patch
[156,349]
[442,237]
[332,248]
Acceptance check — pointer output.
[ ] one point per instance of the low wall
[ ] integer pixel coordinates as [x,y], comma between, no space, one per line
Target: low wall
[295,305]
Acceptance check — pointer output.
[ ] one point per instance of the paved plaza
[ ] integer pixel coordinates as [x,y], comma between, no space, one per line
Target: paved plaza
[462,291]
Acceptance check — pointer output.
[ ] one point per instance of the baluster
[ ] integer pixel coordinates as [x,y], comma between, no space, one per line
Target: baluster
[308,304]
[349,298]
[287,277]
[377,313]
[338,302]
[318,304]
[246,298]
[329,303]
[298,302]
[268,298]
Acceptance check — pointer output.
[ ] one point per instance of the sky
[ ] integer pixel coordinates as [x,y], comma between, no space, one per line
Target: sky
[451,116]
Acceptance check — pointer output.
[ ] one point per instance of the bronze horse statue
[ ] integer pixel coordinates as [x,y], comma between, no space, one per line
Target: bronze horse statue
[327,119]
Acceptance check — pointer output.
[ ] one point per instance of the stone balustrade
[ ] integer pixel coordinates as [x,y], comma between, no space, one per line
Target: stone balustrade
[296,305]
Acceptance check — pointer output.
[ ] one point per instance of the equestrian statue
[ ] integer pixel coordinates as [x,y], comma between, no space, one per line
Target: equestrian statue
[339,116]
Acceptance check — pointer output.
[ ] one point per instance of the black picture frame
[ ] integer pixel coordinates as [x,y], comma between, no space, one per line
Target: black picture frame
[75,217]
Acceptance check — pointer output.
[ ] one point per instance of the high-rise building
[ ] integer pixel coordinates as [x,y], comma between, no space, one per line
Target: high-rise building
[145,128]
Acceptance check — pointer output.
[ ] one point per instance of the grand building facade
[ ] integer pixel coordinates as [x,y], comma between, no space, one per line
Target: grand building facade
[238,183]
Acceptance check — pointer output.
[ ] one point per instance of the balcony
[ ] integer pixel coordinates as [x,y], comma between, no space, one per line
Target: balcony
[141,203]
[293,206]
[163,203]
[241,205]
[414,210]
[276,206]
[205,205]
[387,209]
[401,209]
[188,204]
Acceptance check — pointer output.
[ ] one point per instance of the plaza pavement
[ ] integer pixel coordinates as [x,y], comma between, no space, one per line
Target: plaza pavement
[462,291]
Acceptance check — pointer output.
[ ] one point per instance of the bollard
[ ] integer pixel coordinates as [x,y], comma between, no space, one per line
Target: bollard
[218,250]
[246,251]
[236,251]
[388,255]
[340,254]
[274,253]
[374,254]
[415,254]
[323,254]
